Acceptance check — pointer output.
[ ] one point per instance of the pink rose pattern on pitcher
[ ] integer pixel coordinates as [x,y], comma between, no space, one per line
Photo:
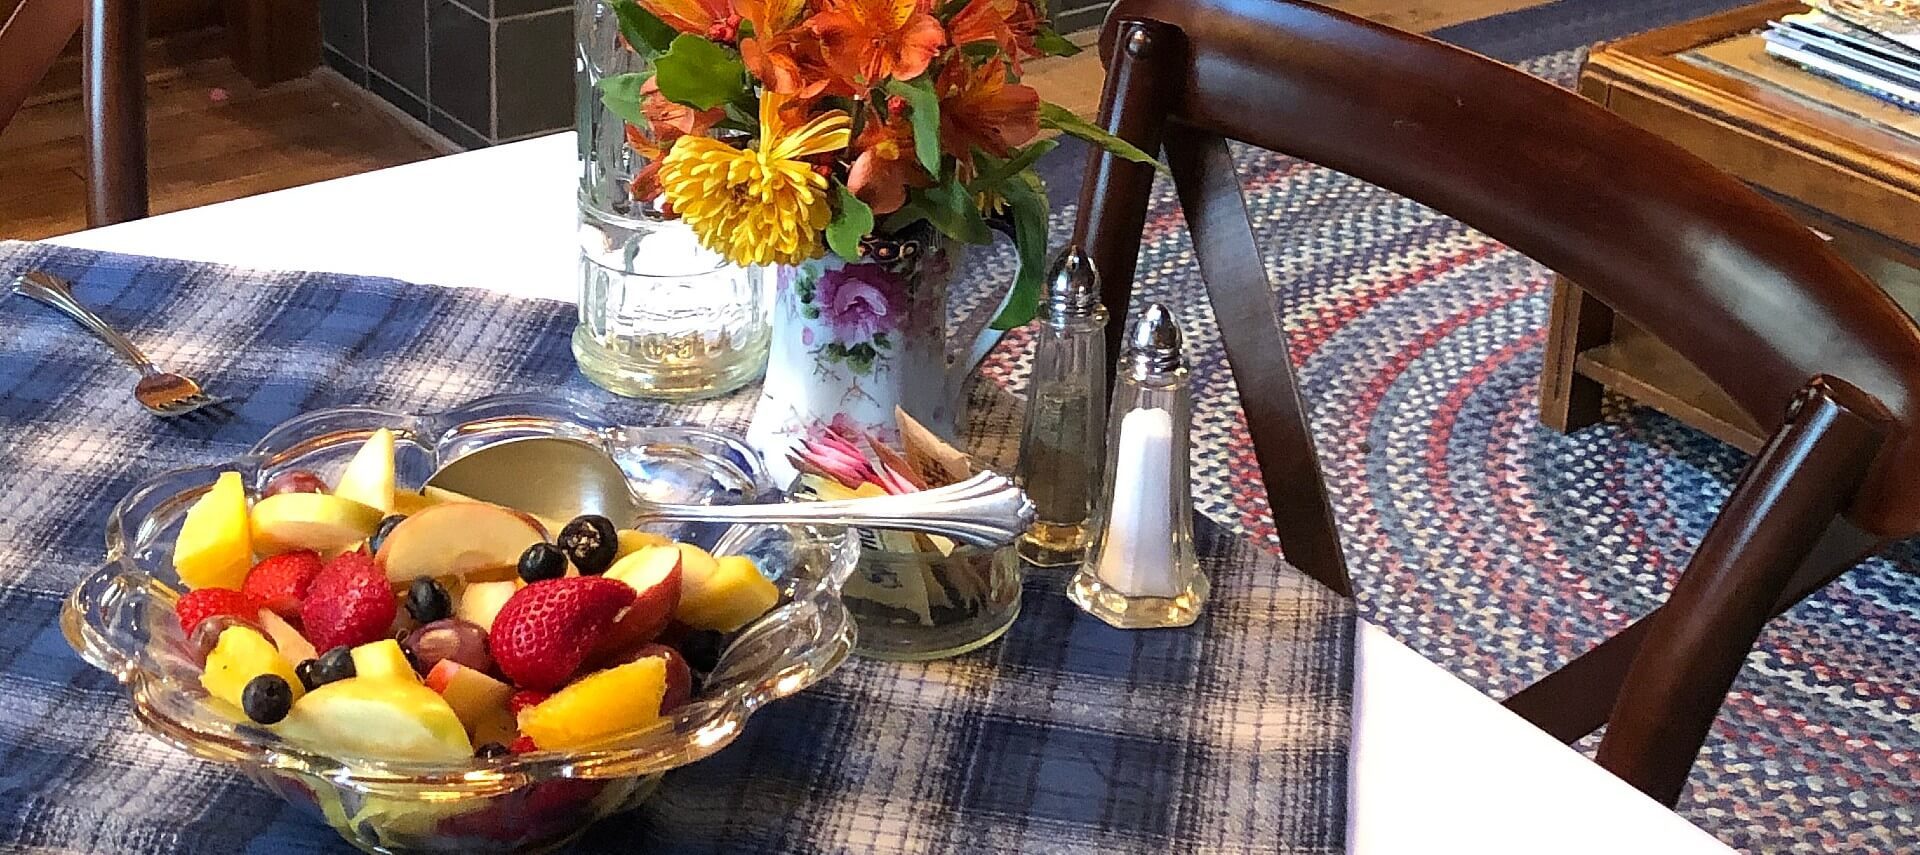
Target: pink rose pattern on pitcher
[851,340]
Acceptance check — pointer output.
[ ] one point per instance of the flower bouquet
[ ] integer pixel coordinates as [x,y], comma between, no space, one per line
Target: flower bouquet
[780,130]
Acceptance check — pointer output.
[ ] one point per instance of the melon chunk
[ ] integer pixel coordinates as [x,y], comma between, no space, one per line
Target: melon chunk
[379,719]
[598,706]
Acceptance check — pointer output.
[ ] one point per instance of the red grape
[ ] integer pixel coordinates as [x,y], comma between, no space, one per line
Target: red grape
[450,638]
[295,481]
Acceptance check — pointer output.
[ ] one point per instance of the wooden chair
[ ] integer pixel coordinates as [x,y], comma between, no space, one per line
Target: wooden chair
[113,88]
[1810,348]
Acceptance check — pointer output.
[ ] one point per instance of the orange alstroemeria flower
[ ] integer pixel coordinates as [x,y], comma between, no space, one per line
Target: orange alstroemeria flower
[669,120]
[666,122]
[1011,24]
[713,19]
[980,109]
[886,164]
[866,42]
[783,55]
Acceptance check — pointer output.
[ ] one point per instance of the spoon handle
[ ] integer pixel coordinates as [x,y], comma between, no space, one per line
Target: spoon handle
[985,510]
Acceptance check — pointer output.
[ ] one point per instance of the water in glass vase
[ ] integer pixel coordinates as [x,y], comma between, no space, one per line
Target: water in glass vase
[663,317]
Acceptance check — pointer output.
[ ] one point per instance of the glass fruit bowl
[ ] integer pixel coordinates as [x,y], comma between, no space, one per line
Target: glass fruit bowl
[121,620]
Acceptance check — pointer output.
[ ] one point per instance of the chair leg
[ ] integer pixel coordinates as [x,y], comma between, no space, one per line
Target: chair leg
[1256,345]
[114,92]
[1574,700]
[1800,481]
[31,40]
[1113,199]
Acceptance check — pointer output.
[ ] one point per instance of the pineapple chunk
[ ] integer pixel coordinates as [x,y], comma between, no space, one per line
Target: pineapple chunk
[240,655]
[215,546]
[382,660]
[728,597]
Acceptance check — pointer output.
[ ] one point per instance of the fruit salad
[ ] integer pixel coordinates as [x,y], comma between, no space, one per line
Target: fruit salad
[366,621]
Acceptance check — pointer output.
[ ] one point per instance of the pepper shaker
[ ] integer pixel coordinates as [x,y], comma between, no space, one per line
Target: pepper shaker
[1142,571]
[1063,443]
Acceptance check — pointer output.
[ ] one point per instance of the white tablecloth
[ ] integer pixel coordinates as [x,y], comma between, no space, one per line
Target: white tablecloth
[1437,767]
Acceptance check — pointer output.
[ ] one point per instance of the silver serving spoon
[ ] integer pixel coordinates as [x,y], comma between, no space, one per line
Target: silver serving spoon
[559,478]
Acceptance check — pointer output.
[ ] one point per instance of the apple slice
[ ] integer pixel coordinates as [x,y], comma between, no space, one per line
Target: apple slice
[479,700]
[728,598]
[378,719]
[442,496]
[654,574]
[456,539]
[323,523]
[634,540]
[292,644]
[480,603]
[215,546]
[368,478]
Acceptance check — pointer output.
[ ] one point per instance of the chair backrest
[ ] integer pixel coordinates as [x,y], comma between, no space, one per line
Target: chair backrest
[114,90]
[1705,264]
[1808,347]
[31,39]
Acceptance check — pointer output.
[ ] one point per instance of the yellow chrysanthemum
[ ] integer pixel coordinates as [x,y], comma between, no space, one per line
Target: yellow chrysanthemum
[757,206]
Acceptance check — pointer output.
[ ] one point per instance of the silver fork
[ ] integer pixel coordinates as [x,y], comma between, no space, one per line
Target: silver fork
[163,393]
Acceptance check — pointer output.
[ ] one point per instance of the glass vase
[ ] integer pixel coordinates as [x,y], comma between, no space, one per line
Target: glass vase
[660,315]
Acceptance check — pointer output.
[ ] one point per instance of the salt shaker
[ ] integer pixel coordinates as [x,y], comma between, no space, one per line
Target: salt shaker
[1063,444]
[1142,572]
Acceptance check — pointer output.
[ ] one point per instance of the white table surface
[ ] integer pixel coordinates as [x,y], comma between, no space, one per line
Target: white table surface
[1437,766]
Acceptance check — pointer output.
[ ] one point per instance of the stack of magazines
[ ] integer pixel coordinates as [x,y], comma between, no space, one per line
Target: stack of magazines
[1859,53]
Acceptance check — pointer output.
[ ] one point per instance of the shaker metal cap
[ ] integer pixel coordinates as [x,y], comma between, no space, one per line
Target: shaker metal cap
[1155,344]
[1073,285]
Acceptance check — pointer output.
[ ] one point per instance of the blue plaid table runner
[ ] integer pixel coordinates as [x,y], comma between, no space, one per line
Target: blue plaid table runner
[1065,736]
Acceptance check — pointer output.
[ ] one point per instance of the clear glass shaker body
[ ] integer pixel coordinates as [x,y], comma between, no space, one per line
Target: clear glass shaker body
[1061,448]
[1141,571]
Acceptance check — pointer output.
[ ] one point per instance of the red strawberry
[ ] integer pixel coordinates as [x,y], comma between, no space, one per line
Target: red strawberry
[525,698]
[350,603]
[281,582]
[523,744]
[198,605]
[545,631]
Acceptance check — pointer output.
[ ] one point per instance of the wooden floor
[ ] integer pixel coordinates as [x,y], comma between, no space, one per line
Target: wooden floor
[212,136]
[215,137]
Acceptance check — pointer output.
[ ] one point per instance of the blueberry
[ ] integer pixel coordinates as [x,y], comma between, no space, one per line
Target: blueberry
[381,531]
[304,671]
[427,601]
[267,698]
[590,541]
[541,561]
[333,666]
[702,648]
[490,750]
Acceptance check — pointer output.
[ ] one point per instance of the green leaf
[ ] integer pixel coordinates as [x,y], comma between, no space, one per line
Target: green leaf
[621,94]
[982,50]
[1050,43]
[1027,200]
[852,220]
[1065,121]
[994,170]
[950,9]
[924,109]
[699,73]
[950,208]
[642,28]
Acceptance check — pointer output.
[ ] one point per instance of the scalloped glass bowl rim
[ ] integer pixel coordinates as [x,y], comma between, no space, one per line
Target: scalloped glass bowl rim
[694,732]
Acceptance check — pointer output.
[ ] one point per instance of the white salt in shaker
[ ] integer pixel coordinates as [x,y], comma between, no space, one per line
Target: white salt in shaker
[1142,572]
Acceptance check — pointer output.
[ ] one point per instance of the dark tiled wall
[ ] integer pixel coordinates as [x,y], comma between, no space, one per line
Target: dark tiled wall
[478,71]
